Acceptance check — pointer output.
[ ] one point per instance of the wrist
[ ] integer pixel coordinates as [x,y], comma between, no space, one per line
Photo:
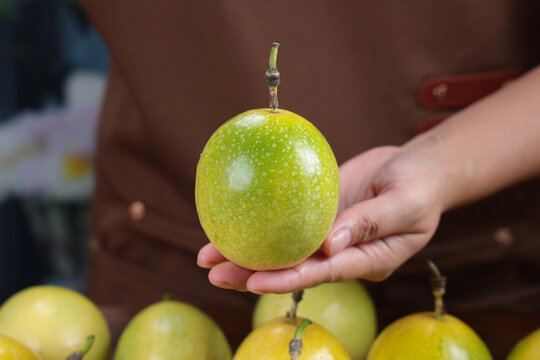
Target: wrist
[455,171]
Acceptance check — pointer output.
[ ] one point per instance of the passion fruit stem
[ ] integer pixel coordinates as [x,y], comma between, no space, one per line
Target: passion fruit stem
[78,355]
[272,62]
[88,345]
[434,269]
[438,288]
[295,345]
[273,77]
[297,297]
[166,297]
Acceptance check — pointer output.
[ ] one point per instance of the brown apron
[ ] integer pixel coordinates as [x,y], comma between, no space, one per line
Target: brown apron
[366,73]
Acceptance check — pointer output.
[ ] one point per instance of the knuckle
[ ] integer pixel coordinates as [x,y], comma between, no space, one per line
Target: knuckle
[297,278]
[336,272]
[366,227]
[331,274]
[335,277]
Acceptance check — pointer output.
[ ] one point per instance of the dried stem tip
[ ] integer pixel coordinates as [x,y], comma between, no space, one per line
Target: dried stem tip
[273,77]
[296,297]
[438,288]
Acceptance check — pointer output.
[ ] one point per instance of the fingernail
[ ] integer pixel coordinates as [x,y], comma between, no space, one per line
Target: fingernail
[226,285]
[204,266]
[339,241]
[229,286]
[208,265]
[257,291]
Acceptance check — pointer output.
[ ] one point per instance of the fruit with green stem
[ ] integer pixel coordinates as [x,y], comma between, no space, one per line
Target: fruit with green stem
[80,354]
[429,335]
[55,322]
[344,309]
[267,186]
[291,338]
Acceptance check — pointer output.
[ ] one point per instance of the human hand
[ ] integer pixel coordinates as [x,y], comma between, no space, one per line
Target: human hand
[390,204]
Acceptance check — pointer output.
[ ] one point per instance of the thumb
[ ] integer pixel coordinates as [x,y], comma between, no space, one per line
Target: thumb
[384,215]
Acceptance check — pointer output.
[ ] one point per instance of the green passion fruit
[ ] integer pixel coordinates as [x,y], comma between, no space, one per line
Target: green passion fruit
[429,335]
[267,187]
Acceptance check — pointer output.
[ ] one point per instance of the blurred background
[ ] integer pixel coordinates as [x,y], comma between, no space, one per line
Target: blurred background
[52,79]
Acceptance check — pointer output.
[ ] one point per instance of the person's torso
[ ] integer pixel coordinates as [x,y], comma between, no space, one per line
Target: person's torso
[355,69]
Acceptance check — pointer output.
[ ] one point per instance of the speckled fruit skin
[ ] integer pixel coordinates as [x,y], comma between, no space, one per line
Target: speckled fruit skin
[271,342]
[423,337]
[527,349]
[172,330]
[55,322]
[345,309]
[267,189]
[14,350]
